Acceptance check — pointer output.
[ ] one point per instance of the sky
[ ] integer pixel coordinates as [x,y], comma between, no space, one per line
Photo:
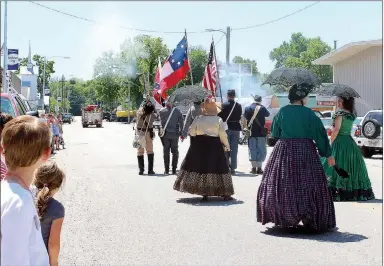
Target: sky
[54,34]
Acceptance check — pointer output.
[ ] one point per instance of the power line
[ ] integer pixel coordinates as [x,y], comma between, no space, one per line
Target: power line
[275,20]
[171,32]
[118,26]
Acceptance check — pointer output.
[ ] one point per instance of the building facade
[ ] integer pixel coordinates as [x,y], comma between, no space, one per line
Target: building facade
[360,66]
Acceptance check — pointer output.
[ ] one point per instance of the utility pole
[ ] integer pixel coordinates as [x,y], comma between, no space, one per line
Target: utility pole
[129,101]
[62,92]
[228,47]
[334,44]
[5,48]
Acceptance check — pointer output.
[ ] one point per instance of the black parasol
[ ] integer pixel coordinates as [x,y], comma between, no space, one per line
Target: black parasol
[339,90]
[288,77]
[188,94]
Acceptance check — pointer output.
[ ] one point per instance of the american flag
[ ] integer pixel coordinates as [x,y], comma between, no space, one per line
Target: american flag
[210,75]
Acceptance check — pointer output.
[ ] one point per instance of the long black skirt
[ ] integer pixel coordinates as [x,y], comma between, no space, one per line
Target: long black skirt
[205,170]
[294,188]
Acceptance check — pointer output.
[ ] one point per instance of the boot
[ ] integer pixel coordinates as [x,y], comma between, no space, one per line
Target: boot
[259,171]
[140,160]
[253,171]
[166,164]
[150,164]
[175,160]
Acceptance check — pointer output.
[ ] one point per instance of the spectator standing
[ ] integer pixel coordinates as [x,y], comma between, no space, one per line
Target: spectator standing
[172,123]
[48,180]
[255,115]
[4,118]
[26,146]
[231,112]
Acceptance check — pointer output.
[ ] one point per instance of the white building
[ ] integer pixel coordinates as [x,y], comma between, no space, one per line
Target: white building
[360,66]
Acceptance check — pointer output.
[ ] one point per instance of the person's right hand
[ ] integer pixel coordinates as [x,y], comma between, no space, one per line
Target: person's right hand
[331,161]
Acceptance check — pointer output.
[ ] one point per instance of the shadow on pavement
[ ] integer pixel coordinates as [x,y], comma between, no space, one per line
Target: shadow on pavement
[371,201]
[212,201]
[301,233]
[242,174]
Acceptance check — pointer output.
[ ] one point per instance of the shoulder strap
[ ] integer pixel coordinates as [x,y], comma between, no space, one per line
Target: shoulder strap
[169,117]
[257,109]
[231,112]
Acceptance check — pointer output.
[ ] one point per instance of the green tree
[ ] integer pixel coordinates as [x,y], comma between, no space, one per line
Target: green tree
[300,52]
[198,59]
[240,60]
[39,61]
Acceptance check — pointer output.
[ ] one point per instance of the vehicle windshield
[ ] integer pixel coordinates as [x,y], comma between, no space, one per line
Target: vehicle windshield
[6,107]
[378,116]
[327,122]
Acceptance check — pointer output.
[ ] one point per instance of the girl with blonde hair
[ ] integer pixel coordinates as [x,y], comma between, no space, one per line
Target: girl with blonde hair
[205,170]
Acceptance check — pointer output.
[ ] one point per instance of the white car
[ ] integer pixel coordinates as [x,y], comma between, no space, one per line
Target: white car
[368,134]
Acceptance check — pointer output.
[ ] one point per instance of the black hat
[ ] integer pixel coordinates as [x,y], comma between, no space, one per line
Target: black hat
[257,98]
[231,93]
[299,92]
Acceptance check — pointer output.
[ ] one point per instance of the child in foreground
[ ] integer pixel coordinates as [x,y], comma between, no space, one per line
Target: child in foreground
[25,144]
[48,180]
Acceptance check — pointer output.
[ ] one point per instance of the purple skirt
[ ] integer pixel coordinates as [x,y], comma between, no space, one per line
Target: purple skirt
[294,188]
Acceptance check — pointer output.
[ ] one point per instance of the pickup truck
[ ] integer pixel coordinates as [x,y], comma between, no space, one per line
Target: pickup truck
[92,115]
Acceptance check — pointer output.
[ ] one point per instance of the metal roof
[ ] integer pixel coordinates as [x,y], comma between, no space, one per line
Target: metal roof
[346,51]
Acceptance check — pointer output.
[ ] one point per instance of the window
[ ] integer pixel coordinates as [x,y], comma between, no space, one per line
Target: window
[6,107]
[20,106]
[378,116]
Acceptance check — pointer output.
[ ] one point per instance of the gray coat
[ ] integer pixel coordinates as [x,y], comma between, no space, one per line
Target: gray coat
[175,123]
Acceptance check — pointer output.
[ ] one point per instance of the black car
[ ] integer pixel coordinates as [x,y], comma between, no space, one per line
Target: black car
[107,116]
[67,118]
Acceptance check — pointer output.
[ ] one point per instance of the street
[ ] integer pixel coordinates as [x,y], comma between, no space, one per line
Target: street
[116,217]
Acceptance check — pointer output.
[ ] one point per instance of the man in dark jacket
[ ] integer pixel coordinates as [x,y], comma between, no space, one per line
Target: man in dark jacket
[255,115]
[231,113]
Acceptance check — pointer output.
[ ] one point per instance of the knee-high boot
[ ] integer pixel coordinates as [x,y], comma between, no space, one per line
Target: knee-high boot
[140,160]
[150,164]
[175,160]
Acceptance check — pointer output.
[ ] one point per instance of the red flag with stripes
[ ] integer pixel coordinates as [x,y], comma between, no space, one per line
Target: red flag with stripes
[210,75]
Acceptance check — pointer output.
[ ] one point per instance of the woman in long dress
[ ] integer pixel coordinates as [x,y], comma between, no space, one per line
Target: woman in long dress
[348,156]
[294,187]
[205,170]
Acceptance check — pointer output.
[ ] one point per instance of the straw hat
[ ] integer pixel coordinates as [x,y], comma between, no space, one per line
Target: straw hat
[209,108]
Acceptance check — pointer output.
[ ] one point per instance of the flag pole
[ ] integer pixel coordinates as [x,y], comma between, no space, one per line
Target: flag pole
[217,71]
[190,67]
[5,48]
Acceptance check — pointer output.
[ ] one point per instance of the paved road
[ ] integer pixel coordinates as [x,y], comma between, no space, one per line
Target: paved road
[116,217]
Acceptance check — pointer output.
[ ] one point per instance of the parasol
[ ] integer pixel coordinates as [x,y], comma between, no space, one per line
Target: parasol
[288,77]
[339,90]
[188,94]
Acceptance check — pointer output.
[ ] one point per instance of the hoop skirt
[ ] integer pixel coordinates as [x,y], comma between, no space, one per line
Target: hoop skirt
[205,169]
[294,188]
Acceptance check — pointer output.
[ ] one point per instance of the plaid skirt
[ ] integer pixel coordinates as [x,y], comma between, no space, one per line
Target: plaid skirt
[294,188]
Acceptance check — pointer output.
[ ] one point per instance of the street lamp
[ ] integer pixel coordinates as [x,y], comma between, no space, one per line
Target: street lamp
[45,64]
[228,38]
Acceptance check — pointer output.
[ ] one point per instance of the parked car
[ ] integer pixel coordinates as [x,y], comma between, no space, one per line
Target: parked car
[14,105]
[107,116]
[327,114]
[356,124]
[328,123]
[368,134]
